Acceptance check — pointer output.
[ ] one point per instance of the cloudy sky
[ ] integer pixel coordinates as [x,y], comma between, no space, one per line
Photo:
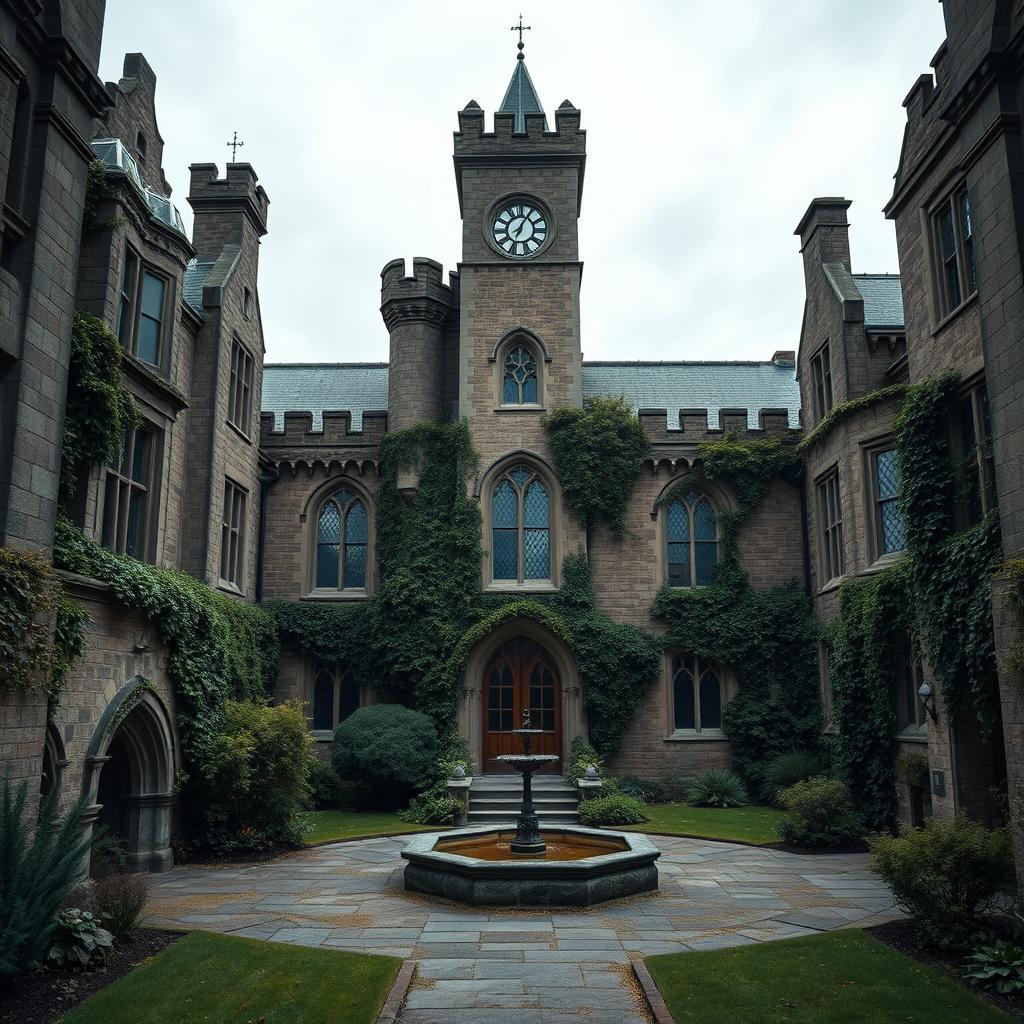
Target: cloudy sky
[709,128]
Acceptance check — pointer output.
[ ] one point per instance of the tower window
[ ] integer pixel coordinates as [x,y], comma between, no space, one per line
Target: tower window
[821,376]
[519,380]
[140,146]
[342,542]
[520,527]
[691,534]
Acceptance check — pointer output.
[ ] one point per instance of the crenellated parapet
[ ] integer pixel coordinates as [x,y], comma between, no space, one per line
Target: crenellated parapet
[472,141]
[423,297]
[693,427]
[298,444]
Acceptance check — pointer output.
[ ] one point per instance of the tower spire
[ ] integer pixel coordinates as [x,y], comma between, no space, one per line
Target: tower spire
[521,28]
[520,96]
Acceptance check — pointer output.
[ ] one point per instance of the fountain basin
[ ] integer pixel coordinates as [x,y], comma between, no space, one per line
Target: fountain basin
[583,866]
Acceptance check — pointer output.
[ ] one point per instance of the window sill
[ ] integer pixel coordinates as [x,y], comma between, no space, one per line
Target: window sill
[883,563]
[953,314]
[519,408]
[529,587]
[913,735]
[692,736]
[833,584]
[360,594]
[322,735]
[240,432]
[230,588]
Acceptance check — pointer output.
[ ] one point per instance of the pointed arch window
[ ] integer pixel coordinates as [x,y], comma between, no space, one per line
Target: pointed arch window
[520,381]
[520,527]
[691,534]
[335,696]
[342,542]
[697,694]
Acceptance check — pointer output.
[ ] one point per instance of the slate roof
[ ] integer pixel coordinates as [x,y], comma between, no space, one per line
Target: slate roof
[196,274]
[363,387]
[521,98]
[883,299]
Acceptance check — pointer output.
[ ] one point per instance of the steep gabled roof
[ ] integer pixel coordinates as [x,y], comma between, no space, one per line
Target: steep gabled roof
[521,98]
[883,299]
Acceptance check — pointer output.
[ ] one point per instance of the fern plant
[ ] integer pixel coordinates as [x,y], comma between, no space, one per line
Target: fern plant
[39,868]
[717,787]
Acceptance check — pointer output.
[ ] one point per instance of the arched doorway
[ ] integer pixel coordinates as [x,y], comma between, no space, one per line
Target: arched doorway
[521,675]
[130,776]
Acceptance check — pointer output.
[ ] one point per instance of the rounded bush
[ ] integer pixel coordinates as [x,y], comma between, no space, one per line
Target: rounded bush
[326,788]
[612,810]
[387,748]
[717,787]
[819,813]
[788,769]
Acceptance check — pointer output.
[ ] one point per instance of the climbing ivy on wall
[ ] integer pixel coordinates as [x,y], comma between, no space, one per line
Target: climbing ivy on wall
[99,404]
[950,571]
[598,453]
[28,597]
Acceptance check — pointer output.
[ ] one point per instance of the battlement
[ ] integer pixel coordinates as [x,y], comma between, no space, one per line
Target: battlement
[693,426]
[472,141]
[237,190]
[424,296]
[335,432]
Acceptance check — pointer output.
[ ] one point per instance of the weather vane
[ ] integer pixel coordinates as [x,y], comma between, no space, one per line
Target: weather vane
[234,144]
[520,28]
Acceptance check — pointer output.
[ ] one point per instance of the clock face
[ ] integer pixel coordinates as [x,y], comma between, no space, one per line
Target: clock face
[519,229]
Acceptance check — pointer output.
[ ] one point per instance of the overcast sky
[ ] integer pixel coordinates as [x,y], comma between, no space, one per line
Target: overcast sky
[709,128]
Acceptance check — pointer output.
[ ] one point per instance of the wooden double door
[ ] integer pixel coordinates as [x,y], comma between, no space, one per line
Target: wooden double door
[521,675]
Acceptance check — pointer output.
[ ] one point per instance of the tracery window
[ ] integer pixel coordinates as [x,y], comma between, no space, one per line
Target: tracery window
[519,377]
[691,534]
[520,527]
[697,693]
[885,484]
[335,696]
[342,542]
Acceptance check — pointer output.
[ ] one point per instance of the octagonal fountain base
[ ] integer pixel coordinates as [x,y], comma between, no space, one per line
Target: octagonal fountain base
[582,866]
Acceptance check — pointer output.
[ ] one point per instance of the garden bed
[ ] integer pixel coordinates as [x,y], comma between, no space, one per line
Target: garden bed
[902,936]
[44,996]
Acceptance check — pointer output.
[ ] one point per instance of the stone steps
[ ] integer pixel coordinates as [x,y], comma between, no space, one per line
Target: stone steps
[498,798]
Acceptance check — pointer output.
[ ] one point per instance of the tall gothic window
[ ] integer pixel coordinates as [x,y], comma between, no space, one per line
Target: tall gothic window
[519,380]
[691,533]
[342,540]
[335,696]
[697,694]
[520,527]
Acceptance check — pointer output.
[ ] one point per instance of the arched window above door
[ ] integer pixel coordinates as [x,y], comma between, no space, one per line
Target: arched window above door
[520,527]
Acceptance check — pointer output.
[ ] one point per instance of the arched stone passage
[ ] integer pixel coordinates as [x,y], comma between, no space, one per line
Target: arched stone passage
[129,775]
[481,661]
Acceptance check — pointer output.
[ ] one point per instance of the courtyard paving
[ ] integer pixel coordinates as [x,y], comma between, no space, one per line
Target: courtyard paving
[519,966]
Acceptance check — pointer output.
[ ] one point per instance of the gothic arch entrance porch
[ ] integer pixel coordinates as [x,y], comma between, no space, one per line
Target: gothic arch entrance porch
[520,664]
[521,675]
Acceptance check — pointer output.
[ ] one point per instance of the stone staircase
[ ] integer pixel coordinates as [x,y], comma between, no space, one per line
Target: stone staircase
[497,798]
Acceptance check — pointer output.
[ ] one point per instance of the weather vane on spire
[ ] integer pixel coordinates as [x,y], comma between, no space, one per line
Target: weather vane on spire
[521,28]
[234,144]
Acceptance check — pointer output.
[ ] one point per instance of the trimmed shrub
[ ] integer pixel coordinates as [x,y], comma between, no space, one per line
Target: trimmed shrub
[429,809]
[118,901]
[647,790]
[257,781]
[612,810]
[945,875]
[818,813]
[38,871]
[387,748]
[788,769]
[326,789]
[717,787]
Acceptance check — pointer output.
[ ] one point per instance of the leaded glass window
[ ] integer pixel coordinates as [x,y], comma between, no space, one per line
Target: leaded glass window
[519,378]
[342,542]
[888,520]
[335,696]
[691,533]
[697,693]
[520,527]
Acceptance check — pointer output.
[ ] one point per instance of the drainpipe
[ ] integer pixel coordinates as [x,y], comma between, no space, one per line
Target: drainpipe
[796,478]
[267,479]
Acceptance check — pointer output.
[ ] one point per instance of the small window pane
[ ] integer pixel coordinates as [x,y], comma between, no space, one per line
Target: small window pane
[535,505]
[521,474]
[679,565]
[537,555]
[888,474]
[357,529]
[136,510]
[678,522]
[152,296]
[147,346]
[510,392]
[348,699]
[530,391]
[710,700]
[682,696]
[704,524]
[328,544]
[707,559]
[355,565]
[323,700]
[505,555]
[503,506]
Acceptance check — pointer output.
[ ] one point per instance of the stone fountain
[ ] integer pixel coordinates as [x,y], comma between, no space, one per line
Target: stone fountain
[566,865]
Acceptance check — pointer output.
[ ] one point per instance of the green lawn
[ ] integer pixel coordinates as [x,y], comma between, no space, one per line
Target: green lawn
[750,824]
[844,977]
[329,825]
[206,978]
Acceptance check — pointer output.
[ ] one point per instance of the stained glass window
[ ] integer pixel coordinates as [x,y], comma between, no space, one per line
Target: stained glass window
[520,527]
[342,542]
[335,696]
[889,520]
[519,379]
[697,696]
[691,535]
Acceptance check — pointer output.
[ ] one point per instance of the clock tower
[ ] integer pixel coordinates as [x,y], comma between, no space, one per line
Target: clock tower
[519,315]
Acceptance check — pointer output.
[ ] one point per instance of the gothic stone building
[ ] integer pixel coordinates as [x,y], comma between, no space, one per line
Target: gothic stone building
[283,506]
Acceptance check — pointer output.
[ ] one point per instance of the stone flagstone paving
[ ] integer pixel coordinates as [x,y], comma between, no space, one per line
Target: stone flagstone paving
[523,966]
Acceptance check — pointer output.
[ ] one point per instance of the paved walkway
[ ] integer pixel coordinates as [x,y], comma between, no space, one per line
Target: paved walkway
[517,966]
